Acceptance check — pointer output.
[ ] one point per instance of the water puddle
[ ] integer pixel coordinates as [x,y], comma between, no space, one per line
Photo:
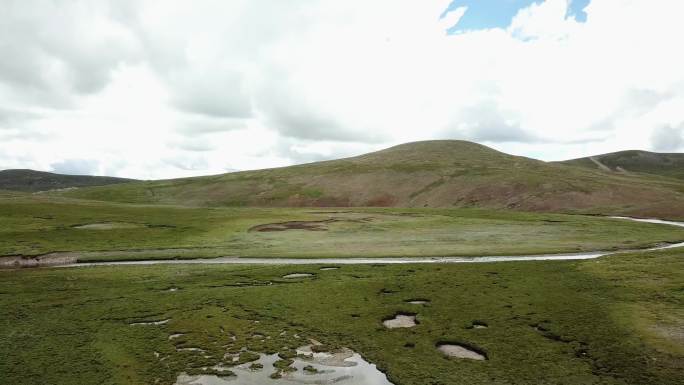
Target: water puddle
[651,220]
[478,325]
[461,351]
[401,321]
[107,226]
[161,322]
[316,368]
[418,301]
[298,275]
[193,349]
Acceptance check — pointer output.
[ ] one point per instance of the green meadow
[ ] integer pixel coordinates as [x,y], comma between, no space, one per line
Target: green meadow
[107,231]
[614,320]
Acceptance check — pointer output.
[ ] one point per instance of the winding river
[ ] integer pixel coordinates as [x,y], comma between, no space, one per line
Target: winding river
[395,260]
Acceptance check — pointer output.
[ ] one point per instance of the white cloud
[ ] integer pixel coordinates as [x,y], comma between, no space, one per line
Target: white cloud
[668,138]
[76,167]
[171,88]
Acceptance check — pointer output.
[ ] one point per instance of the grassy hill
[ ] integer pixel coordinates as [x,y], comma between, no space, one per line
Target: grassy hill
[33,181]
[630,162]
[444,173]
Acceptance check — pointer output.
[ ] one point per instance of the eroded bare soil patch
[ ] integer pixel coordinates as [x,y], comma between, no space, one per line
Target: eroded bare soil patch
[320,225]
[400,320]
[460,350]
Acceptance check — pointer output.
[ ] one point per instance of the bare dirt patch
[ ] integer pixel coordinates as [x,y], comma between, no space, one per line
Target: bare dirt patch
[670,332]
[320,225]
[460,350]
[293,225]
[400,320]
[50,259]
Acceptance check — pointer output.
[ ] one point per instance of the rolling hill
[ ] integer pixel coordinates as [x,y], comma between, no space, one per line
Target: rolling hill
[445,173]
[34,181]
[629,162]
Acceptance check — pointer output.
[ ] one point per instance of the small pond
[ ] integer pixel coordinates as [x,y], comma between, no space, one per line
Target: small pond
[341,367]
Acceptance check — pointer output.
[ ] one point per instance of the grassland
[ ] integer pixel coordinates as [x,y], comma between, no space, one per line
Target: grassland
[34,225]
[617,320]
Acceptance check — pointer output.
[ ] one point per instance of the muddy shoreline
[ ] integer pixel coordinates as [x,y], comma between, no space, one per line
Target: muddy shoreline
[45,260]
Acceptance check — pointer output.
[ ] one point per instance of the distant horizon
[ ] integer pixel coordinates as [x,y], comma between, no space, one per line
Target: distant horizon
[351,156]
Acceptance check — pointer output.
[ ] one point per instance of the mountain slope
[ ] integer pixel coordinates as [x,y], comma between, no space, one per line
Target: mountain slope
[626,162]
[33,181]
[421,174]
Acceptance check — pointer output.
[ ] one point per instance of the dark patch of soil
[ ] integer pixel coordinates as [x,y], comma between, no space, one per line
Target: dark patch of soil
[304,225]
[546,333]
[293,225]
[384,200]
[156,226]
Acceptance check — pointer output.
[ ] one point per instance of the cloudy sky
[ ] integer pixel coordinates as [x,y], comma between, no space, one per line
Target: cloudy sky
[159,88]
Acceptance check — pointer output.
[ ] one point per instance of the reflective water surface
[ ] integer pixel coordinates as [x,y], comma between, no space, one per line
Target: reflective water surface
[342,367]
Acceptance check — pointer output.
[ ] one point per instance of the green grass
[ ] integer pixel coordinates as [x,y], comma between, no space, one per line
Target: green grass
[38,225]
[663,164]
[607,321]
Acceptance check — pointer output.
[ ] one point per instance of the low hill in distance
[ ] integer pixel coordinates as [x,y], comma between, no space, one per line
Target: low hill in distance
[629,162]
[34,181]
[445,173]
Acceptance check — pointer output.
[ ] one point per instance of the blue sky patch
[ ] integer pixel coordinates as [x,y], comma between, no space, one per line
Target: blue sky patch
[484,14]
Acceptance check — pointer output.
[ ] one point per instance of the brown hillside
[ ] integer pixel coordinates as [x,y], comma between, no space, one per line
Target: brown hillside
[423,174]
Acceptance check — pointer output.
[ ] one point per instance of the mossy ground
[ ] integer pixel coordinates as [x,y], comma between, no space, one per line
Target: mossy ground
[603,321]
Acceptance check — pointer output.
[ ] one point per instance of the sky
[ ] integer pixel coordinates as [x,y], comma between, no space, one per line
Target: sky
[163,89]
